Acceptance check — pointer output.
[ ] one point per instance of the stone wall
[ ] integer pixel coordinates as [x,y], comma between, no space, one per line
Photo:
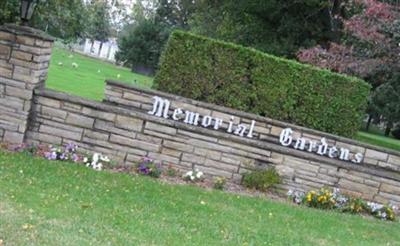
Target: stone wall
[122,128]
[24,59]
[126,127]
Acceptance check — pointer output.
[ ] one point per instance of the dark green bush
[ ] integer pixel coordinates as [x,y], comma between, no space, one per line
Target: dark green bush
[396,132]
[261,179]
[246,79]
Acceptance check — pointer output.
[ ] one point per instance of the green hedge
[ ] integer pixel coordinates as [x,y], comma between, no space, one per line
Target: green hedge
[246,79]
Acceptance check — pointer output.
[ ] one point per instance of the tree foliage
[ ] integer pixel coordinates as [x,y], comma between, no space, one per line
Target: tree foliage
[140,46]
[386,101]
[141,43]
[276,27]
[9,11]
[369,49]
[64,19]
[99,21]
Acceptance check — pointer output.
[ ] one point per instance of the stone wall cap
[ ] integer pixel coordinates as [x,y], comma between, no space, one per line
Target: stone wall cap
[27,31]
[252,116]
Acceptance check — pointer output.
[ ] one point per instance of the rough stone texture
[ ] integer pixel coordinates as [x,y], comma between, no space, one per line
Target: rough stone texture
[122,128]
[218,153]
[127,135]
[20,74]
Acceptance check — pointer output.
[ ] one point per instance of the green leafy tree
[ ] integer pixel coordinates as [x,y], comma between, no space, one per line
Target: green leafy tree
[64,19]
[386,101]
[277,27]
[368,49]
[141,43]
[9,11]
[140,46]
[99,23]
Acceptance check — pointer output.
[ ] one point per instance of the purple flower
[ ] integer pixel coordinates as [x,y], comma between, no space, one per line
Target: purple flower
[70,148]
[75,158]
[51,155]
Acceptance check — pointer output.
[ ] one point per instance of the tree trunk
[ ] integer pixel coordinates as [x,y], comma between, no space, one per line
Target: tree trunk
[100,47]
[91,46]
[389,126]
[368,122]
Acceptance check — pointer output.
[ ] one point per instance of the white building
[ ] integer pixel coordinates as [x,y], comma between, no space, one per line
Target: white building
[104,51]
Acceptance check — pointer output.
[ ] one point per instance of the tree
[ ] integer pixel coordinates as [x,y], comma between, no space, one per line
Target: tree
[369,49]
[99,24]
[142,42]
[386,101]
[141,46]
[277,27]
[64,19]
[175,13]
[9,11]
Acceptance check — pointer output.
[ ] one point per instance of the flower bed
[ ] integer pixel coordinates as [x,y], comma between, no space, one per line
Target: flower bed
[334,199]
[322,199]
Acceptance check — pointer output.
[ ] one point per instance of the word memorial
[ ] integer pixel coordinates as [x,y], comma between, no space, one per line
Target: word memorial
[161,108]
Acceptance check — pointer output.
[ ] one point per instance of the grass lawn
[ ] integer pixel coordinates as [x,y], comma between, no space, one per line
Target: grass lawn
[88,79]
[378,140]
[54,203]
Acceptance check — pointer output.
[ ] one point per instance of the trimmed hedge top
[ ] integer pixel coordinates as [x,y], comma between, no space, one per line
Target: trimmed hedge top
[246,79]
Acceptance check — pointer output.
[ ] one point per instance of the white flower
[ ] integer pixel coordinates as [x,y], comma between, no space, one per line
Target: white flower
[104,158]
[95,157]
[191,177]
[85,160]
[190,173]
[99,167]
[199,174]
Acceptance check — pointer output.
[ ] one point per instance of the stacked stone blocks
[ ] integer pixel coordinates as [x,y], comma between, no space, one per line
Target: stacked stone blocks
[24,60]
[128,133]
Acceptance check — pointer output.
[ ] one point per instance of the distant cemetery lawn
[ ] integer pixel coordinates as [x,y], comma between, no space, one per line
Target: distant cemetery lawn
[55,203]
[87,78]
[379,140]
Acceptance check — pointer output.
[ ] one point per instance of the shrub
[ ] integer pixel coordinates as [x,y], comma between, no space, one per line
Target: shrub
[261,179]
[171,171]
[396,132]
[246,79]
[219,183]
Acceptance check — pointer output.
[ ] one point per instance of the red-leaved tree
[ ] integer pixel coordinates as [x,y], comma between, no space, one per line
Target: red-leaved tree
[369,48]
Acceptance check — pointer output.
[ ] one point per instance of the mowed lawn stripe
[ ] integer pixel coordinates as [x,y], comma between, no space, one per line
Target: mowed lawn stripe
[87,80]
[58,203]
